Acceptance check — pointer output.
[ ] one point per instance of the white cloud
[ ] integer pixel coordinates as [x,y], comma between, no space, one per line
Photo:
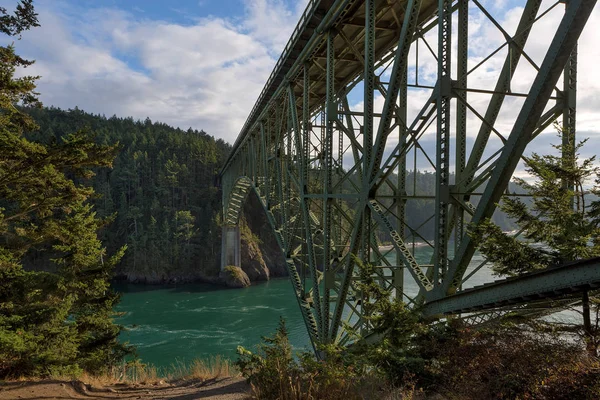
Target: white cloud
[207,74]
[484,38]
[272,22]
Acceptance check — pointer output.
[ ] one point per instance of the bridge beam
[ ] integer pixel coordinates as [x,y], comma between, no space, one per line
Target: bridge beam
[561,48]
[540,285]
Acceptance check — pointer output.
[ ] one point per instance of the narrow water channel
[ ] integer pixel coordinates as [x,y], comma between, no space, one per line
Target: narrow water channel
[170,324]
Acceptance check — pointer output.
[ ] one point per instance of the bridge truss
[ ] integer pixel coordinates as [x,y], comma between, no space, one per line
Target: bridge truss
[366,93]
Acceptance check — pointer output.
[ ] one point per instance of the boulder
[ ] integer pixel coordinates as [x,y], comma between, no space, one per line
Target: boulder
[234,277]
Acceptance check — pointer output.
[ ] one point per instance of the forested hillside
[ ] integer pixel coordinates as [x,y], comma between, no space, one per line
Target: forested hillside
[160,186]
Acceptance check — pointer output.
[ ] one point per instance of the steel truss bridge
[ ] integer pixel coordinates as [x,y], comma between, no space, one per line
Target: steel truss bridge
[365,94]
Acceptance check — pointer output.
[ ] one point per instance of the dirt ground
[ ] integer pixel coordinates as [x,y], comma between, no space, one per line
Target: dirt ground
[214,389]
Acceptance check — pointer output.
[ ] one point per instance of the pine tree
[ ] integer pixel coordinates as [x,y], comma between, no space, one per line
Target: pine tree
[57,320]
[562,224]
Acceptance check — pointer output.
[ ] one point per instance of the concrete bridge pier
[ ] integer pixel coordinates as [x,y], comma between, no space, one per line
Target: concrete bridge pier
[230,246]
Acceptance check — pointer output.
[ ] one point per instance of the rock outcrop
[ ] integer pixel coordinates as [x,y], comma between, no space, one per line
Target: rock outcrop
[261,255]
[253,263]
[234,277]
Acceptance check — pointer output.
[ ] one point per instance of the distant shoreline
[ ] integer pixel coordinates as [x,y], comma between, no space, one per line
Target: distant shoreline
[391,246]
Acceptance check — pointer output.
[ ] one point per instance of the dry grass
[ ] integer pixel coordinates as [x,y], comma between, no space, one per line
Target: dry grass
[144,374]
[214,367]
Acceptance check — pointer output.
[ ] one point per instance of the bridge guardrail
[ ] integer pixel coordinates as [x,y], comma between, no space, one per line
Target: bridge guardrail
[310,8]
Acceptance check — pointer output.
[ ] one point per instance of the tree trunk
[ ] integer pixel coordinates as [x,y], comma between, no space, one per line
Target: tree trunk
[587,325]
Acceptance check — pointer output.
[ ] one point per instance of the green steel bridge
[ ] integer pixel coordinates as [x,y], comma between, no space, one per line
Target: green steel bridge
[366,92]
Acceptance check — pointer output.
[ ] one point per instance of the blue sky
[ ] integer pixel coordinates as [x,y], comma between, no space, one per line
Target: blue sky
[198,63]
[180,11]
[202,63]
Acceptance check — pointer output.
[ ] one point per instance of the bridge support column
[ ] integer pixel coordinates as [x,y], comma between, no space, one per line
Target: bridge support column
[230,246]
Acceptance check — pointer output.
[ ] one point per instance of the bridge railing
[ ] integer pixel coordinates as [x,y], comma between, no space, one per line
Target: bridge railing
[310,8]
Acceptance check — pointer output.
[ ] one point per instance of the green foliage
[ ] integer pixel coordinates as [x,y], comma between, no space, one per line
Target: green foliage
[86,276]
[56,321]
[234,272]
[246,233]
[265,370]
[561,219]
[395,354]
[23,19]
[275,373]
[561,226]
[162,187]
[510,256]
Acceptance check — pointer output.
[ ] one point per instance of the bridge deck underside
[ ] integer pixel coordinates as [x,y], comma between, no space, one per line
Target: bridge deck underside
[349,47]
[309,47]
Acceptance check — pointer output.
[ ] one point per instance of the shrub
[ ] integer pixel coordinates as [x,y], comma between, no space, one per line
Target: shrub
[504,362]
[274,373]
[579,379]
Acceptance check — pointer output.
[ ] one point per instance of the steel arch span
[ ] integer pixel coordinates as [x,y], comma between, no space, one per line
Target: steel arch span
[365,94]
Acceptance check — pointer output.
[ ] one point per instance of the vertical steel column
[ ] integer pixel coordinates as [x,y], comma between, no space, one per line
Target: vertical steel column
[331,116]
[368,99]
[305,202]
[369,87]
[339,174]
[243,160]
[563,44]
[265,162]
[569,115]
[400,195]
[356,235]
[252,160]
[461,115]
[279,163]
[311,322]
[291,115]
[270,162]
[570,93]
[306,128]
[444,91]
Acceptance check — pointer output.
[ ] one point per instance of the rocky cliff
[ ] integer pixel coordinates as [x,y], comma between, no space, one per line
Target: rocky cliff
[261,256]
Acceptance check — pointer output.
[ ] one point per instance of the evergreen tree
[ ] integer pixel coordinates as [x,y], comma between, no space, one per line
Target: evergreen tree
[162,181]
[56,321]
[561,226]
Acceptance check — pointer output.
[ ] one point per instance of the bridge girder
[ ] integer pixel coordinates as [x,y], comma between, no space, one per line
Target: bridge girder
[352,110]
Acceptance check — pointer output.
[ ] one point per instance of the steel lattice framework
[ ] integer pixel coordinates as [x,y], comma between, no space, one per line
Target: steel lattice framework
[366,93]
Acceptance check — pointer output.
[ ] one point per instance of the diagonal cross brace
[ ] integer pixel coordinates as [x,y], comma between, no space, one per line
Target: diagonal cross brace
[563,43]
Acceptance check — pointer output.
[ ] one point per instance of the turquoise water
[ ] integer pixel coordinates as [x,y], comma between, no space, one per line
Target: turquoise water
[170,324]
[179,324]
